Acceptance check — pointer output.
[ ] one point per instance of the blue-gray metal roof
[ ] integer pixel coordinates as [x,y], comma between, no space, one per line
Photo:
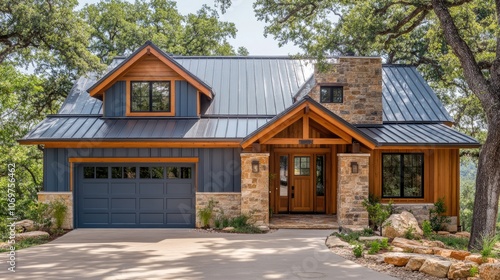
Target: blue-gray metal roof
[266,86]
[417,134]
[97,128]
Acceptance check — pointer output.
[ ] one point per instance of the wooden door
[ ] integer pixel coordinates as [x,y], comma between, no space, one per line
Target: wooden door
[302,190]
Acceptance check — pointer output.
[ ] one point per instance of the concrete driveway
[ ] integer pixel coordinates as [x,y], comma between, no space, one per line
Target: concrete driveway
[185,254]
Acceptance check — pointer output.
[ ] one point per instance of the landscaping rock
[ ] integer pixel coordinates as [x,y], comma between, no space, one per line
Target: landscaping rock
[423,250]
[398,224]
[443,233]
[460,270]
[397,249]
[375,258]
[397,259]
[435,267]
[334,241]
[349,229]
[463,234]
[405,243]
[228,229]
[435,243]
[415,263]
[474,258]
[459,255]
[25,225]
[4,245]
[442,252]
[32,234]
[263,228]
[490,271]
[371,238]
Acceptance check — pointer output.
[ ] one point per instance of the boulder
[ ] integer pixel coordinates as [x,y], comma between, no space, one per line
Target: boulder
[423,250]
[398,224]
[411,246]
[32,234]
[415,263]
[460,270]
[463,234]
[228,229]
[263,228]
[334,241]
[25,225]
[435,243]
[397,249]
[474,258]
[490,271]
[4,245]
[435,267]
[397,259]
[459,255]
[443,233]
[442,252]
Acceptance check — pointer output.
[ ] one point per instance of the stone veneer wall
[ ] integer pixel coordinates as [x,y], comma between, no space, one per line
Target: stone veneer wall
[421,213]
[47,197]
[255,188]
[361,78]
[228,203]
[352,189]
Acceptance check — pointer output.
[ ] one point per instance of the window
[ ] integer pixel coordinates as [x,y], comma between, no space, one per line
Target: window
[302,166]
[91,172]
[150,97]
[179,173]
[402,175]
[331,94]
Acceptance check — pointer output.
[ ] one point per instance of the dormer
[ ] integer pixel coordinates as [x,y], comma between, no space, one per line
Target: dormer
[150,83]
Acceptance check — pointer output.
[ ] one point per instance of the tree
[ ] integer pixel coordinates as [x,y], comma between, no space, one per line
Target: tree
[120,27]
[455,43]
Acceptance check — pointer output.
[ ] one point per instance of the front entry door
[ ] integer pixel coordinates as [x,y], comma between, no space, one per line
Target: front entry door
[302,191]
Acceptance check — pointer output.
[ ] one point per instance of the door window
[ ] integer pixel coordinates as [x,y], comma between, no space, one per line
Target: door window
[283,175]
[302,166]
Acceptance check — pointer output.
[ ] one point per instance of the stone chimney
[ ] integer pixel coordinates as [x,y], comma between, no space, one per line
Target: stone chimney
[361,82]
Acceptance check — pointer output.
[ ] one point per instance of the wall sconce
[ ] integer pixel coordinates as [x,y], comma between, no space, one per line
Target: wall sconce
[354,167]
[255,166]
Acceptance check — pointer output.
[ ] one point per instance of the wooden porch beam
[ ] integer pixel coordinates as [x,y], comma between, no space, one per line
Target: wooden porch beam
[296,141]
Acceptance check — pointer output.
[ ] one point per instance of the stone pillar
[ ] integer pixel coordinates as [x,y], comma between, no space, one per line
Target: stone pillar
[352,189]
[255,188]
[67,197]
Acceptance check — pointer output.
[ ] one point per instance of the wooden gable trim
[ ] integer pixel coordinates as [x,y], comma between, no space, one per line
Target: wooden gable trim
[307,112]
[148,50]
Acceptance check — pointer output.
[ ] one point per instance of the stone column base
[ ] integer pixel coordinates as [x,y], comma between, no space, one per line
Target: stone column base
[227,203]
[47,197]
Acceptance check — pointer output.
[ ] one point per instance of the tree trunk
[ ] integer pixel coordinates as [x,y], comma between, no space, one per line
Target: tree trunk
[484,217]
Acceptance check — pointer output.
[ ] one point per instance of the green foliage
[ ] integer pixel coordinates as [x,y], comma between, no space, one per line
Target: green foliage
[473,271]
[456,243]
[436,215]
[374,247]
[488,244]
[367,231]
[358,250]
[206,213]
[40,213]
[384,244]
[377,212]
[58,210]
[427,228]
[28,242]
[119,27]
[410,233]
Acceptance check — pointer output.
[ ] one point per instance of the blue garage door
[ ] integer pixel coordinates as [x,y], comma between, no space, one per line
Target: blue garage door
[116,195]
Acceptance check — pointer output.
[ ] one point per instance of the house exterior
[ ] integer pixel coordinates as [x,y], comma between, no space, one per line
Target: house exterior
[158,136]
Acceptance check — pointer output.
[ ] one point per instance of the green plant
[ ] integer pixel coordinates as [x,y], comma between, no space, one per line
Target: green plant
[384,244]
[367,232]
[58,210]
[488,243]
[410,233]
[206,213]
[374,247]
[358,250]
[40,213]
[239,221]
[377,212]
[427,228]
[351,237]
[456,243]
[473,271]
[28,242]
[436,215]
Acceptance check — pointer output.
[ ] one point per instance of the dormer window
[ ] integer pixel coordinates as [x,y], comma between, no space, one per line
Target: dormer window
[150,96]
[332,94]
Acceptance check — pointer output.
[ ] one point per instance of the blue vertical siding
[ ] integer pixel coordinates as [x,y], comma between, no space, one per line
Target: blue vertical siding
[219,170]
[185,99]
[114,102]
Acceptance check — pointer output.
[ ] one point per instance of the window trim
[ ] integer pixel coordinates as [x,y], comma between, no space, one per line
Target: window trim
[128,100]
[401,187]
[150,96]
[330,91]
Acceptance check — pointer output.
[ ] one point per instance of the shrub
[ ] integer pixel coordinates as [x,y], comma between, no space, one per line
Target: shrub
[377,213]
[436,215]
[427,228]
[367,232]
[206,213]
[384,244]
[58,209]
[473,271]
[488,243]
[358,250]
[40,213]
[410,233]
[351,237]
[374,247]
[239,221]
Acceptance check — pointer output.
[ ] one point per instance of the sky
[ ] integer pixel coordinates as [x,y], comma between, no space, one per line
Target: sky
[250,31]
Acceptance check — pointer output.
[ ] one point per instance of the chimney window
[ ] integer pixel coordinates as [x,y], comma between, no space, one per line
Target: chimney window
[332,94]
